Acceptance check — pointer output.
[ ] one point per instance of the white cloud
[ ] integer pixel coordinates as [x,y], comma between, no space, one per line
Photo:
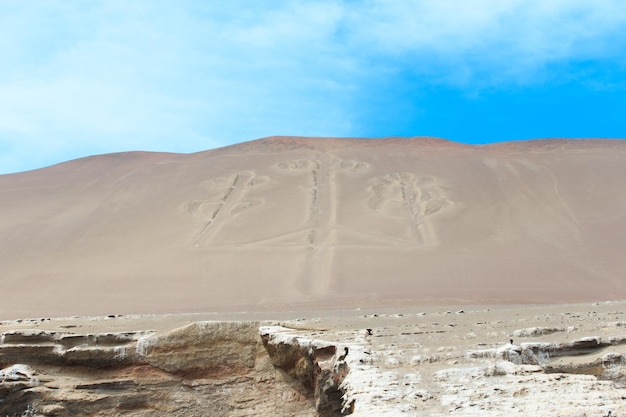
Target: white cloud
[190,75]
[509,41]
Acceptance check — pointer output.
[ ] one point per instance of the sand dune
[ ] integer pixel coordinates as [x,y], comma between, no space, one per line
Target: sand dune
[286,222]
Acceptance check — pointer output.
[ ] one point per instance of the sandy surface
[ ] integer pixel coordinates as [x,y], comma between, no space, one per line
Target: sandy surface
[440,249]
[311,224]
[450,322]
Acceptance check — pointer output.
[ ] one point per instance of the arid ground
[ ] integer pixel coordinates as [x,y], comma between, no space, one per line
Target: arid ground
[287,223]
[491,278]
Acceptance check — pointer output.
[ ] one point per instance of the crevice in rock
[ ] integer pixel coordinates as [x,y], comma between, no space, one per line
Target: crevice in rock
[319,366]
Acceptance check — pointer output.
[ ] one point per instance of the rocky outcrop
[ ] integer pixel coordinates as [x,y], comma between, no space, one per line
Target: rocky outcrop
[319,366]
[205,368]
[588,356]
[377,365]
[538,331]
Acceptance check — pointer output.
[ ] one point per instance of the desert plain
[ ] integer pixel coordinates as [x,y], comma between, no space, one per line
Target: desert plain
[412,276]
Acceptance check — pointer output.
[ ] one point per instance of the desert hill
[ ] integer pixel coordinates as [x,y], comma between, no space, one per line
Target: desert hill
[287,222]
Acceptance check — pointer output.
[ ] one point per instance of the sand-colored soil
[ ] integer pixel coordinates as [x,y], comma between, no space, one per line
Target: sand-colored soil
[457,258]
[301,223]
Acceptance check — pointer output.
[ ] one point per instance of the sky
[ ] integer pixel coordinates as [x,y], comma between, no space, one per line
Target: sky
[85,77]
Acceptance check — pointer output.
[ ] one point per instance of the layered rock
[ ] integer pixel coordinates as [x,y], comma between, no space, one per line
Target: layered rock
[205,368]
[434,364]
[588,356]
[316,364]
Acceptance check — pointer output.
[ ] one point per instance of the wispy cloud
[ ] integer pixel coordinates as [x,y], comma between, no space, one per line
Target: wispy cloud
[98,76]
[491,41]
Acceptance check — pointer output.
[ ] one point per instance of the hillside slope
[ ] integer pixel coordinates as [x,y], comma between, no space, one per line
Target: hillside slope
[287,222]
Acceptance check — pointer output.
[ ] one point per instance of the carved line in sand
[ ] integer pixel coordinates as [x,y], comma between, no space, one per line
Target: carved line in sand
[399,195]
[227,199]
[320,227]
[321,210]
[418,198]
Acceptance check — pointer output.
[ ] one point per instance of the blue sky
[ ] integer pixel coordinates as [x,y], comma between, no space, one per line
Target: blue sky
[83,77]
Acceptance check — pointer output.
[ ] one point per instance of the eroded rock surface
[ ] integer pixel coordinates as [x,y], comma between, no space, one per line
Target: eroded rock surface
[203,369]
[320,366]
[430,362]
